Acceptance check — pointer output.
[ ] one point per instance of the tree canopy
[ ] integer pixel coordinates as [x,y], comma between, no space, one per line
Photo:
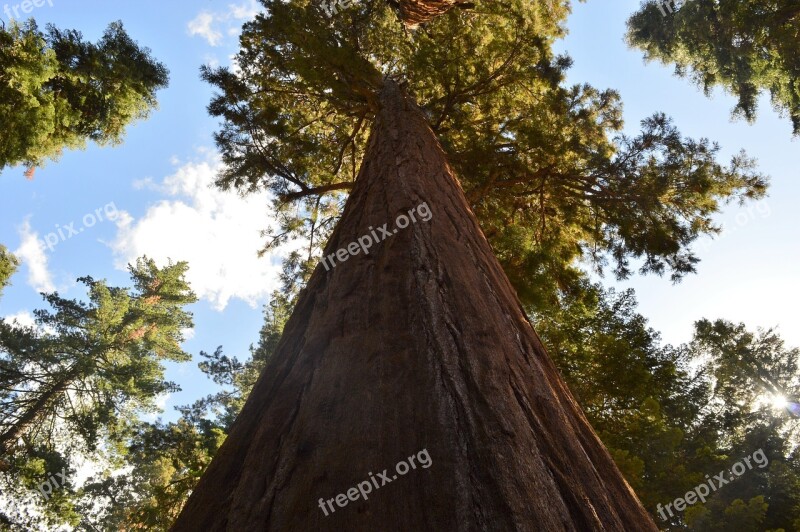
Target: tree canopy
[671,415]
[746,48]
[58,91]
[550,176]
[168,459]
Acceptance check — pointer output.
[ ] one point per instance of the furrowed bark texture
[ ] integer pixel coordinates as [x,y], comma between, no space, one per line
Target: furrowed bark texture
[416,12]
[422,344]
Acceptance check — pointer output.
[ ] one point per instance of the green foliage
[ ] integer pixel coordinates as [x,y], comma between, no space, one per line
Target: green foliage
[58,91]
[8,265]
[744,47]
[640,397]
[164,461]
[745,368]
[670,416]
[549,175]
[747,517]
[75,384]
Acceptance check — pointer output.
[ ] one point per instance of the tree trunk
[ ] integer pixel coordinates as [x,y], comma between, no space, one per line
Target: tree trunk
[420,345]
[416,12]
[15,431]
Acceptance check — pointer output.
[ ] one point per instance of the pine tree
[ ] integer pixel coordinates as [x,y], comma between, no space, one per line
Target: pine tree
[744,47]
[86,364]
[164,461]
[58,91]
[75,384]
[8,265]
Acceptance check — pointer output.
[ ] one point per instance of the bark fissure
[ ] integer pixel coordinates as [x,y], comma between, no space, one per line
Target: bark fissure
[459,401]
[271,492]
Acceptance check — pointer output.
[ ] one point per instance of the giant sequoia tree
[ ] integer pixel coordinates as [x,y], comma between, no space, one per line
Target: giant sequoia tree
[422,343]
[543,166]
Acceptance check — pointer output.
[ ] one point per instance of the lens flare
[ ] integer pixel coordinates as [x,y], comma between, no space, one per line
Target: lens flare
[779,402]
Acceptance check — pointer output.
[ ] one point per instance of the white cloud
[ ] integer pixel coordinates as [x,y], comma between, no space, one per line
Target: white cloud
[206,23]
[211,61]
[161,400]
[144,183]
[161,404]
[23,318]
[188,334]
[217,233]
[245,11]
[31,253]
[202,25]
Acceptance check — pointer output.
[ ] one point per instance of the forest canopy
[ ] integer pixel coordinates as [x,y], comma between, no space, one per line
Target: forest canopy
[568,196]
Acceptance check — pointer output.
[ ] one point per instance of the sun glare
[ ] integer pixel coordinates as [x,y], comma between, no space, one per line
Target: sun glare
[779,402]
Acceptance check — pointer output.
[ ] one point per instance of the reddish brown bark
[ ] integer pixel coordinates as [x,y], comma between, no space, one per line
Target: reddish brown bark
[422,344]
[416,12]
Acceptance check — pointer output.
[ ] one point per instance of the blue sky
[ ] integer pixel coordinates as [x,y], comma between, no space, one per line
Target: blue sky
[157,182]
[749,273]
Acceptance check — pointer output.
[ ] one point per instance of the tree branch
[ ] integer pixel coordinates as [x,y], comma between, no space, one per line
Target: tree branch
[291,196]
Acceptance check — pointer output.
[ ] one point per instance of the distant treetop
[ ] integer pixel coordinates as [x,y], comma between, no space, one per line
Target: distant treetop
[58,91]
